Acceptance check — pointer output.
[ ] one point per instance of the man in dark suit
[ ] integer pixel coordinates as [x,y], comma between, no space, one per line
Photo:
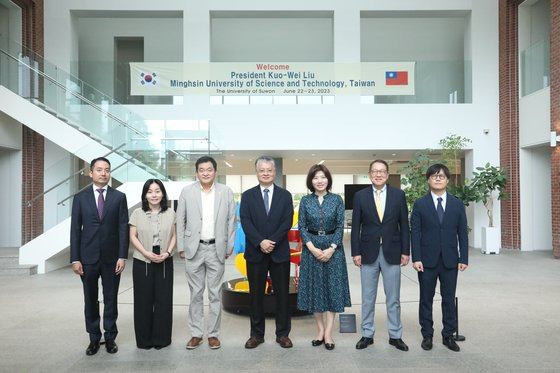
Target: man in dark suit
[439,225]
[99,248]
[266,214]
[380,244]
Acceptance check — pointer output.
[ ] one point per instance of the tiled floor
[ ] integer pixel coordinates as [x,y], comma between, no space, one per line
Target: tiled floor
[509,313]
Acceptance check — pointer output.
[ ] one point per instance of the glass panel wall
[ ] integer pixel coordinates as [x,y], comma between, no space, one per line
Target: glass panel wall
[439,43]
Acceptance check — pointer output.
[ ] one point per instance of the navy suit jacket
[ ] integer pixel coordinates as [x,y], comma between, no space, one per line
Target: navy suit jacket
[367,229]
[430,239]
[257,225]
[93,239]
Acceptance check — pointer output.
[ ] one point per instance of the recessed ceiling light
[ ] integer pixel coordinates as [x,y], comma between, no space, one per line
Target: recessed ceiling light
[228,164]
[394,154]
[313,154]
[321,161]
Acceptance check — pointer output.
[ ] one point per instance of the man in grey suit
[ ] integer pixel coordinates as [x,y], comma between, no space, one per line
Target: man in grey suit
[380,244]
[205,236]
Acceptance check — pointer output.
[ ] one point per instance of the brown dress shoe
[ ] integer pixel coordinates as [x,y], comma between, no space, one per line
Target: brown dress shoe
[254,342]
[194,343]
[214,343]
[284,342]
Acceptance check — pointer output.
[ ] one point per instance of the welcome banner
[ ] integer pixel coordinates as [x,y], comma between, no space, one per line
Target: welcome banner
[274,79]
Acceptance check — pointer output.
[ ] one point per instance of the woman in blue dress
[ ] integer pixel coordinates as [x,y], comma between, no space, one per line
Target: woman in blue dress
[323,281]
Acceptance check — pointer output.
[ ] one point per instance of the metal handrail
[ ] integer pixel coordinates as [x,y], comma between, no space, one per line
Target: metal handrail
[142,135]
[75,94]
[30,202]
[72,195]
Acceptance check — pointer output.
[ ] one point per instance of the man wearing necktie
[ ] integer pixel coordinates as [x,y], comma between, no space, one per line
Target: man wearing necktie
[380,245]
[266,214]
[439,225]
[99,248]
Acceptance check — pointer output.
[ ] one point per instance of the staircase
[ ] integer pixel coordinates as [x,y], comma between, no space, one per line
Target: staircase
[53,103]
[9,264]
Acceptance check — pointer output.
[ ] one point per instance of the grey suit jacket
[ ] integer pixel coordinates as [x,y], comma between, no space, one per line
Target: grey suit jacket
[189,220]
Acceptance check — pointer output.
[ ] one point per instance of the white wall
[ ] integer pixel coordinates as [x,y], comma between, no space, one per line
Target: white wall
[284,39]
[535,191]
[534,118]
[10,23]
[10,173]
[58,164]
[96,44]
[10,198]
[345,125]
[10,132]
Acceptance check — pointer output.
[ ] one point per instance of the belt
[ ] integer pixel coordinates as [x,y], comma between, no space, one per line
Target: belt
[321,233]
[208,242]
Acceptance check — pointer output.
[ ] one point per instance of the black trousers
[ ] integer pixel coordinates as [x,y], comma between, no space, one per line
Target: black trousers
[110,282]
[447,286]
[153,302]
[280,276]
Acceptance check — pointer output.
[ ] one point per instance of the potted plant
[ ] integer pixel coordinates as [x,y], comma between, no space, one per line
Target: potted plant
[487,180]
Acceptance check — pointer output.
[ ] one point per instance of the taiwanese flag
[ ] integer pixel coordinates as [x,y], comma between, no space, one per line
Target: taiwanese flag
[396,78]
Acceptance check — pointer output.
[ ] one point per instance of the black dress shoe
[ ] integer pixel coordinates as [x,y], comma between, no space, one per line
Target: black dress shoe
[317,342]
[111,346]
[92,348]
[398,343]
[427,343]
[329,346]
[363,343]
[450,343]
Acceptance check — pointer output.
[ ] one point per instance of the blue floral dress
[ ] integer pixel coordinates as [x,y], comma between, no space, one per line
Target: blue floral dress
[322,286]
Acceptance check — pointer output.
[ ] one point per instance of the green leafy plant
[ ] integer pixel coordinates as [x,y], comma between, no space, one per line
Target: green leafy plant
[486,180]
[413,178]
[451,147]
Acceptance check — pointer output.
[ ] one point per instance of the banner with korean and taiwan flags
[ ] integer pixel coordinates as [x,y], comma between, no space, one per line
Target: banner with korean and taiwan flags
[271,78]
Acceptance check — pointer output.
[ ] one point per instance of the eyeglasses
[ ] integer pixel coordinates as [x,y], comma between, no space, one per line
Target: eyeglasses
[438,176]
[378,172]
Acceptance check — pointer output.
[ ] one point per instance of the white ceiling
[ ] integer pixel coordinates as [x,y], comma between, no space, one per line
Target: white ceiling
[296,162]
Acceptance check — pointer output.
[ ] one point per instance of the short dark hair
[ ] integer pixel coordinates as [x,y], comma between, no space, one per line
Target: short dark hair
[436,168]
[379,161]
[311,174]
[163,203]
[204,159]
[95,160]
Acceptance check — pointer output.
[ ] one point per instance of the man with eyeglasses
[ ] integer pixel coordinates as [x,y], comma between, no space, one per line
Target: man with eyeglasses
[439,225]
[380,242]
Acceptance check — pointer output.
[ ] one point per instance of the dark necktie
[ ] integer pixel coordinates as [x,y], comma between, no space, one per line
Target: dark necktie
[440,210]
[100,203]
[266,204]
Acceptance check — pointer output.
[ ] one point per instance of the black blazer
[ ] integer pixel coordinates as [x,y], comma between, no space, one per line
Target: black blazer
[257,225]
[367,229]
[93,239]
[430,239]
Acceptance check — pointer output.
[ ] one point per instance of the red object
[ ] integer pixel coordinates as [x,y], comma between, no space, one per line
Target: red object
[396,78]
[295,256]
[293,235]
